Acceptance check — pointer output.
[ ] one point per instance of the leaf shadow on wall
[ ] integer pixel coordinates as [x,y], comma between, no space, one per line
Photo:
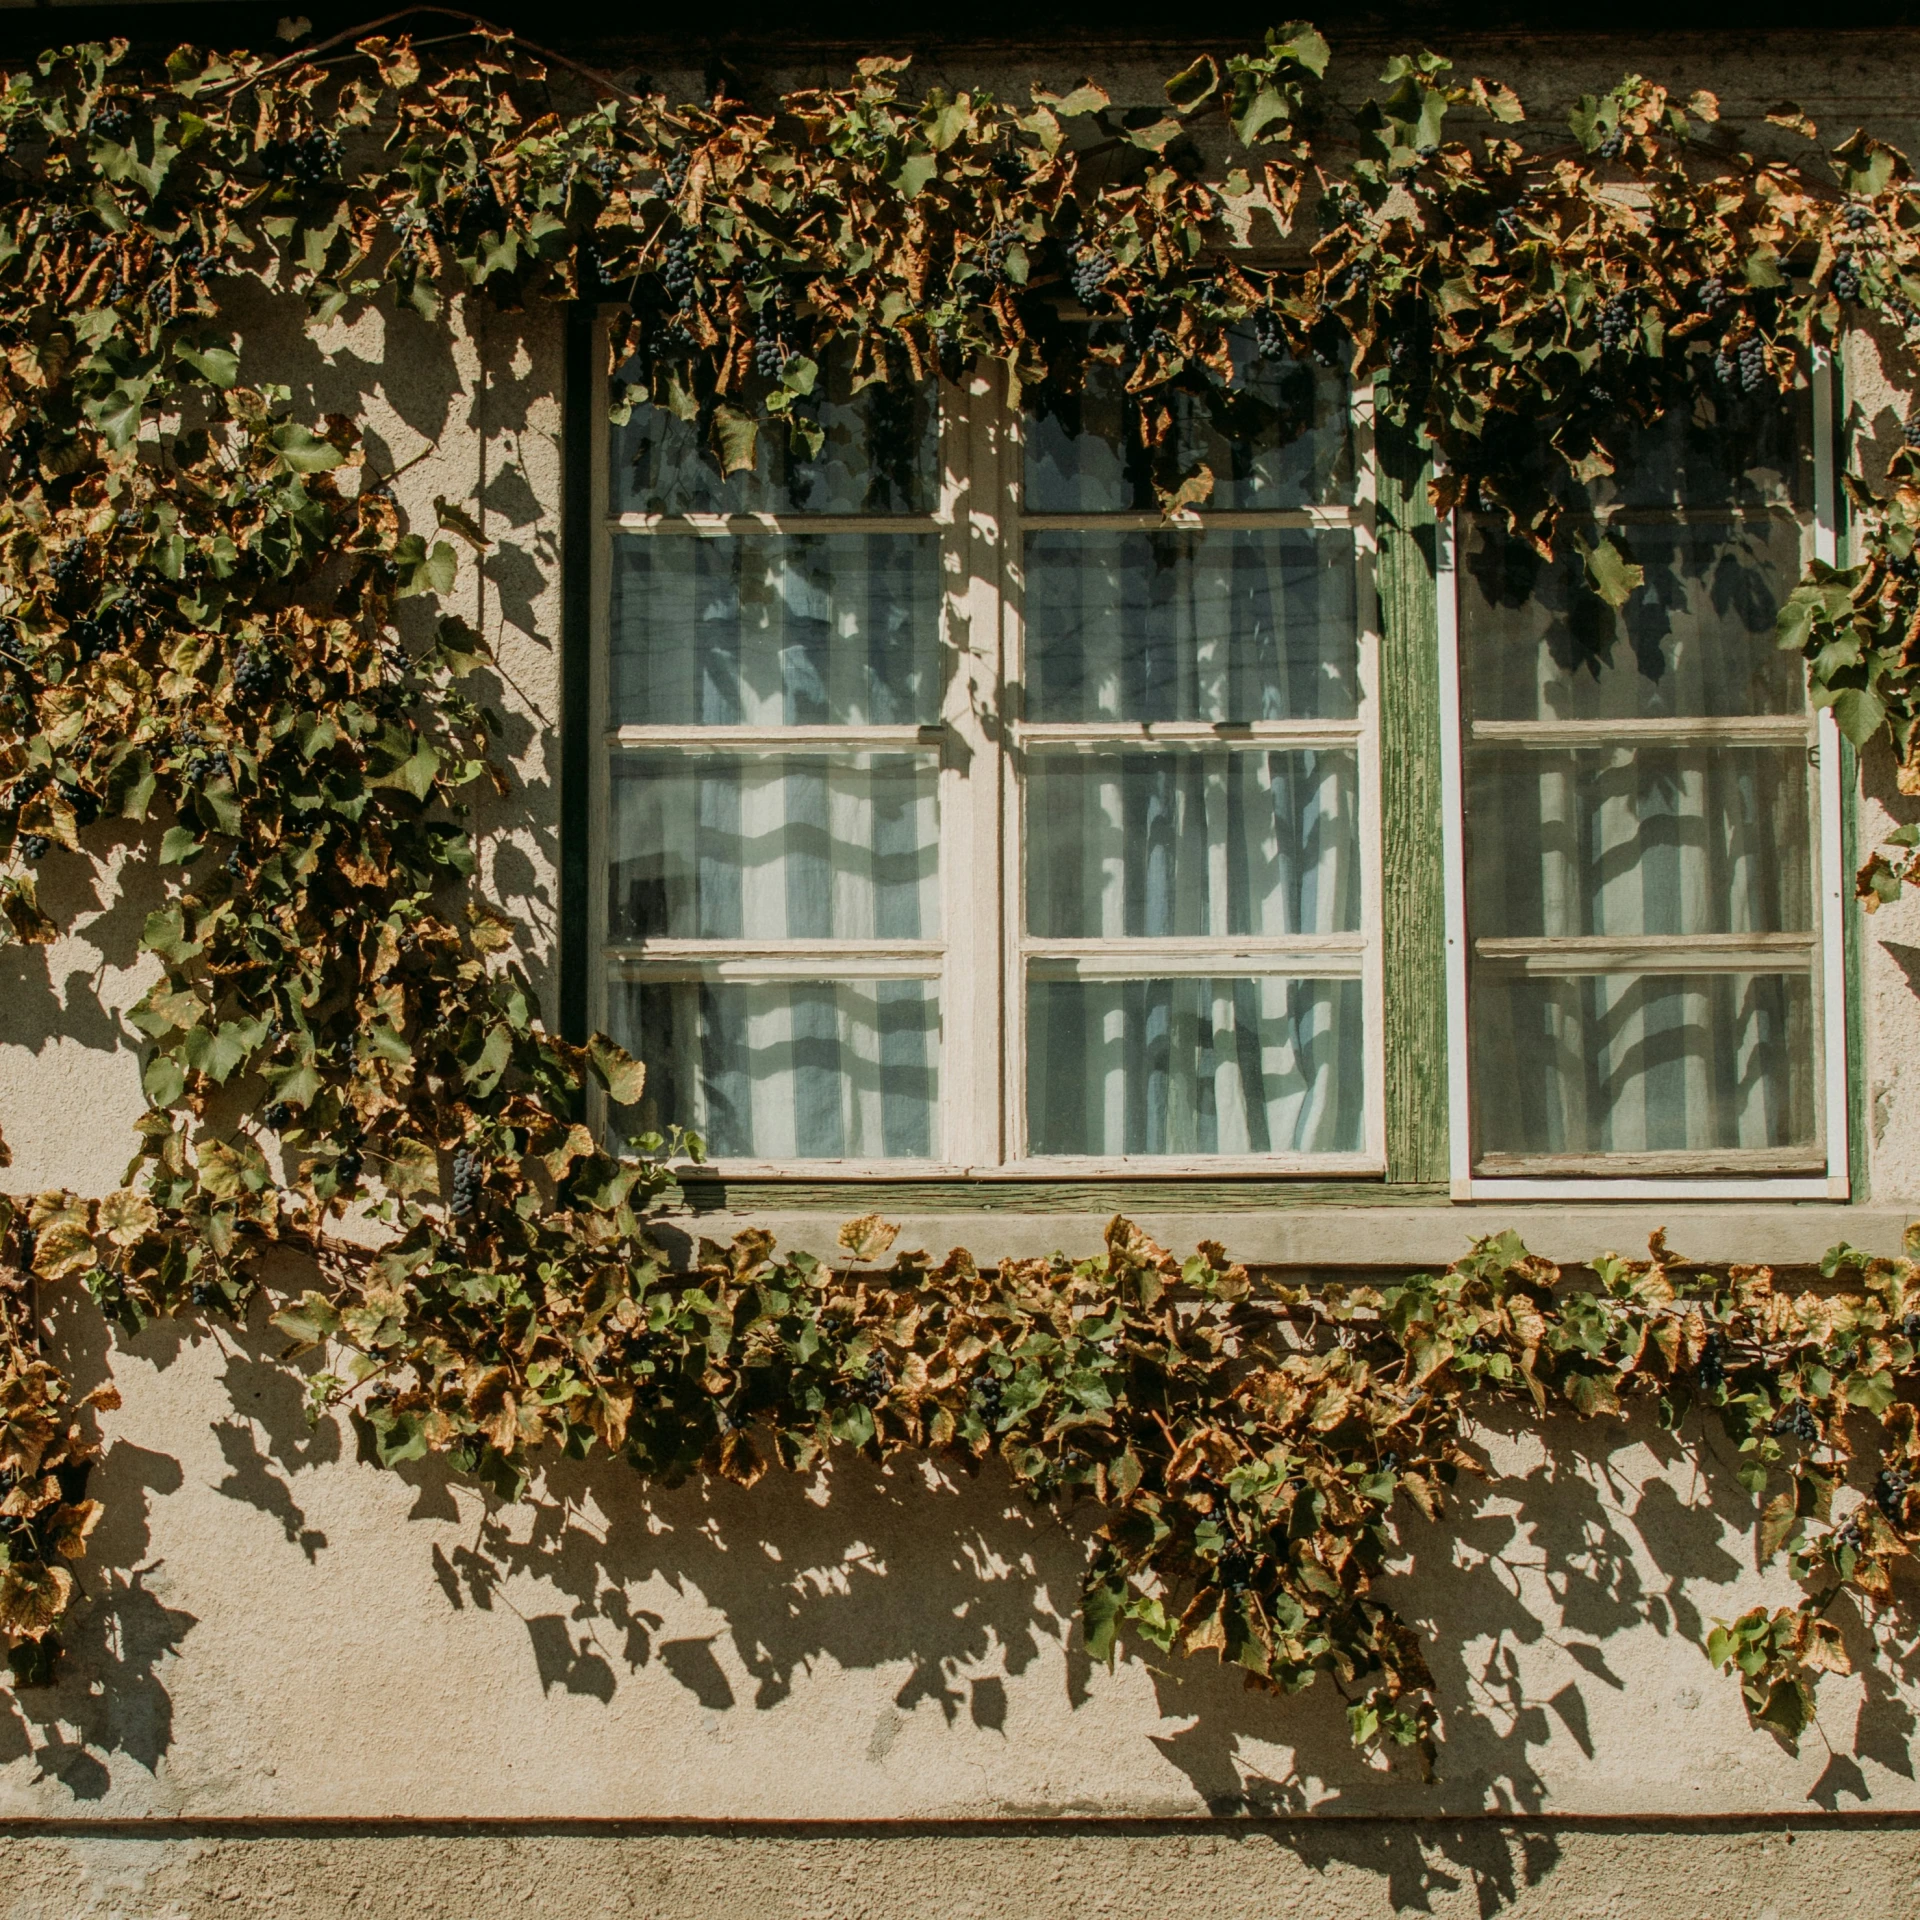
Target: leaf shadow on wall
[110,1701]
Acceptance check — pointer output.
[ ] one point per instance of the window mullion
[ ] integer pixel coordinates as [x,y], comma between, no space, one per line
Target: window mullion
[970,437]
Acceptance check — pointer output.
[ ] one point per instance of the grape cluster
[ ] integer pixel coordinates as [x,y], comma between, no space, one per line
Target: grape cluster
[346,1167]
[1613,146]
[33,847]
[1712,1370]
[1755,376]
[1090,269]
[204,1293]
[1011,167]
[1850,1536]
[253,677]
[677,270]
[1506,227]
[1269,336]
[1890,1493]
[1859,218]
[113,122]
[1797,1420]
[775,341]
[1846,281]
[999,245]
[307,161]
[1710,295]
[1616,323]
[278,1117]
[987,1397]
[1236,1569]
[874,1384]
[466,1183]
[676,170]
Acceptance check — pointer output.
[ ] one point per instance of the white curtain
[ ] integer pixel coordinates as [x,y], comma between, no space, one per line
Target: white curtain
[1638,840]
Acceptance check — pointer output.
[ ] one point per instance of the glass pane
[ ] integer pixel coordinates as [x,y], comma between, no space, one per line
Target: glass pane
[1697,639]
[1642,1063]
[881,455]
[1639,840]
[1194,1066]
[775,630]
[1716,448]
[1191,626]
[1280,437]
[774,847]
[1185,841]
[788,1069]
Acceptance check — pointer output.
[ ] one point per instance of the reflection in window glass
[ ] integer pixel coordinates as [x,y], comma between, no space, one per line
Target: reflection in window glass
[1250,625]
[1194,1066]
[1640,840]
[1278,438]
[1695,639]
[776,630]
[788,1069]
[774,847]
[1643,1063]
[880,455]
[1128,845]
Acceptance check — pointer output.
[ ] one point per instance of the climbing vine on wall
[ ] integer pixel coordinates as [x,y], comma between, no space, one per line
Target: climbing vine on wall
[203,648]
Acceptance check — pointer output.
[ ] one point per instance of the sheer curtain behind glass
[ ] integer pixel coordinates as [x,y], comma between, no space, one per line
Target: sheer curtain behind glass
[1191,769]
[1640,815]
[772,907]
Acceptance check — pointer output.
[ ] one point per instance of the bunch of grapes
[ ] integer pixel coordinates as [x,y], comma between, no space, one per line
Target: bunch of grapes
[1712,1370]
[33,847]
[1846,280]
[677,271]
[1710,295]
[253,677]
[466,1183]
[987,1397]
[1797,1420]
[308,161]
[1755,377]
[1890,1493]
[874,1384]
[775,341]
[999,244]
[1269,336]
[1613,146]
[1616,323]
[278,1117]
[1859,218]
[1090,269]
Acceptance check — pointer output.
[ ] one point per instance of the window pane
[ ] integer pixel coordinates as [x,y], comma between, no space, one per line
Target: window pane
[1696,640]
[1642,1063]
[1280,438]
[788,1069]
[1194,1066]
[1191,626]
[1192,842]
[768,630]
[1639,840]
[774,847]
[880,456]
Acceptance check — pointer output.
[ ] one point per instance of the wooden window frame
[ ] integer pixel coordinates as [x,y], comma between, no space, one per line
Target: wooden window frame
[1413,960]
[1681,1175]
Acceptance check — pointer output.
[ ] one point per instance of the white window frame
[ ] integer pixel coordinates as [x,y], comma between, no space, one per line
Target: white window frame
[1829,998]
[980,956]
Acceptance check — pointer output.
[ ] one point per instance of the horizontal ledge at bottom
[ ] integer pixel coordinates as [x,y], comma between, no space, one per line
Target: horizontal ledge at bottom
[1752,1162]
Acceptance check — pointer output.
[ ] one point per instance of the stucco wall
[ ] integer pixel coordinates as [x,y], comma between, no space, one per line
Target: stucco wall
[274,1631]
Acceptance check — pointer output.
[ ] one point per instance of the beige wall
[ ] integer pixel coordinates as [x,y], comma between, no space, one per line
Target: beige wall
[274,1631]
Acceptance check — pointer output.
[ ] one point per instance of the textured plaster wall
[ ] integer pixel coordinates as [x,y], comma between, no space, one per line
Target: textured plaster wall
[275,1631]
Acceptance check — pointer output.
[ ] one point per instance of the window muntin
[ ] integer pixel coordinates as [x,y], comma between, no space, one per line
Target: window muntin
[1194,974]
[1642,828]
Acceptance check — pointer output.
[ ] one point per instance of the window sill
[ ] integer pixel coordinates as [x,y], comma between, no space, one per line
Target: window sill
[1353,1229]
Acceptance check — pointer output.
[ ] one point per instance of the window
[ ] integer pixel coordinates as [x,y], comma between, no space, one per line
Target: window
[1644,919]
[959,813]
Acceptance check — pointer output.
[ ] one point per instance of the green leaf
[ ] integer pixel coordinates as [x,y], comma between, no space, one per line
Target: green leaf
[736,439]
[164,1080]
[311,1320]
[300,451]
[623,1076]
[179,845]
[1614,577]
[219,366]
[1858,714]
[1192,85]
